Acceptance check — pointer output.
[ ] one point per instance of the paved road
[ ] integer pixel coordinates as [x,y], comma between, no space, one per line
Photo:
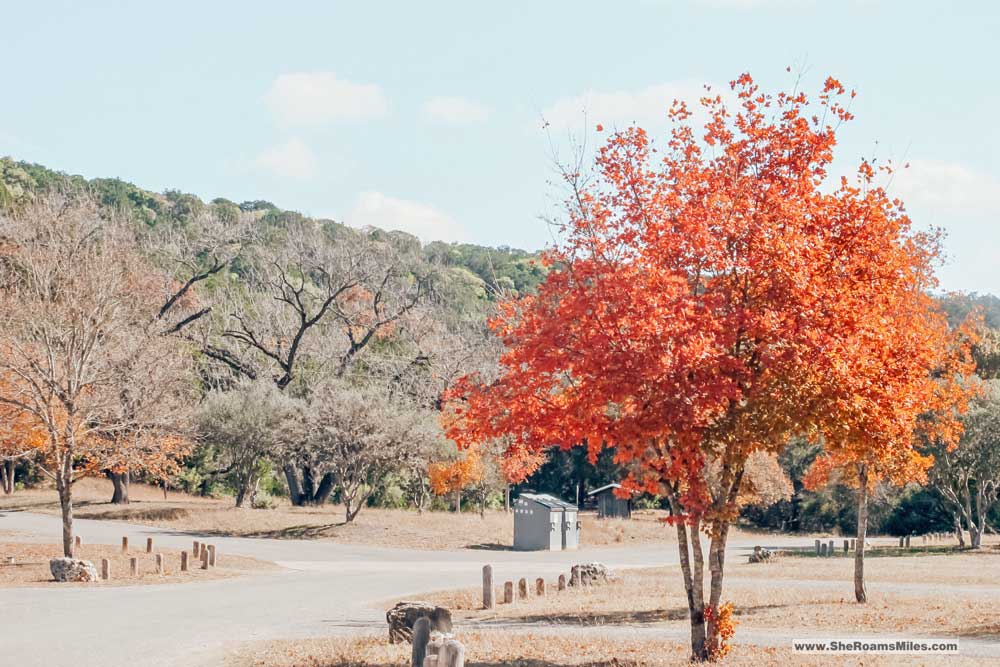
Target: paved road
[327,588]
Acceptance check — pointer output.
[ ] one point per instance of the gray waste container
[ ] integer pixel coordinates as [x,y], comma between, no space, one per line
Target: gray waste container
[542,522]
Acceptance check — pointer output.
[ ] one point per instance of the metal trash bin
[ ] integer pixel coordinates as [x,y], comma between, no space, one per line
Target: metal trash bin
[540,523]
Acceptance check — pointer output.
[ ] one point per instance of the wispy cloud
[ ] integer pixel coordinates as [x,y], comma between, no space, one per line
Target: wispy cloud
[951,185]
[454,111]
[621,107]
[291,159]
[427,223]
[319,98]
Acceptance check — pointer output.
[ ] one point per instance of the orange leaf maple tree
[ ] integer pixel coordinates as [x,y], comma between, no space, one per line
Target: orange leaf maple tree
[707,300]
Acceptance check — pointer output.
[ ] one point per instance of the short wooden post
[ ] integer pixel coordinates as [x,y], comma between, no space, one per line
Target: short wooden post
[134,566]
[125,544]
[847,546]
[830,549]
[488,602]
[78,542]
[452,654]
[196,549]
[421,636]
[853,544]
[159,563]
[522,589]
[822,548]
[540,587]
[508,592]
[907,541]
[184,561]
[204,558]
[817,547]
[574,575]
[211,555]
[149,545]
[562,582]
[105,569]
[901,540]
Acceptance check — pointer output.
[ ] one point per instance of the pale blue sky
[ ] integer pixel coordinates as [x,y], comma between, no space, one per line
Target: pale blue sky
[426,115]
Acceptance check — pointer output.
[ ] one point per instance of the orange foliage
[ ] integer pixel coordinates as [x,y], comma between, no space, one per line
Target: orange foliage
[454,476]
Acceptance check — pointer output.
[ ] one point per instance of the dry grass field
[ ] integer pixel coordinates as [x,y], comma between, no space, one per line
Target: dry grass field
[30,566]
[790,596]
[376,527]
[501,648]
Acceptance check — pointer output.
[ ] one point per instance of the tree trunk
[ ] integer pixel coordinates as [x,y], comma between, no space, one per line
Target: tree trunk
[64,488]
[860,593]
[294,487]
[120,481]
[458,502]
[716,565]
[506,499]
[324,490]
[693,589]
[7,477]
[958,531]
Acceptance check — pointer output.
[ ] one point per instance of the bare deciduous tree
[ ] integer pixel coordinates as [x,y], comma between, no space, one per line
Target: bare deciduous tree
[72,316]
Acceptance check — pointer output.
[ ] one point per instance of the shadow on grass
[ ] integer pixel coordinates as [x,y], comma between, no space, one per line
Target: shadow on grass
[988,631]
[643,617]
[137,514]
[490,546]
[887,552]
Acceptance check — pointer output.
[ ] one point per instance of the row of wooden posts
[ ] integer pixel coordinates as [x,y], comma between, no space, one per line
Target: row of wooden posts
[205,552]
[489,594]
[827,548]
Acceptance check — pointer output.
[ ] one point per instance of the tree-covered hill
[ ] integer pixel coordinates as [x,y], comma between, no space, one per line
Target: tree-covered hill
[486,271]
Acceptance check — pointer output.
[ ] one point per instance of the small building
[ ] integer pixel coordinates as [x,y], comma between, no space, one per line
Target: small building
[610,506]
[545,523]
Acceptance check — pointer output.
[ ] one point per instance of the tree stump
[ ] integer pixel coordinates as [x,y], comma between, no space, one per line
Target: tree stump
[105,569]
[562,582]
[211,555]
[125,545]
[574,575]
[133,564]
[421,636]
[184,561]
[540,587]
[149,545]
[159,563]
[488,602]
[522,589]
[508,592]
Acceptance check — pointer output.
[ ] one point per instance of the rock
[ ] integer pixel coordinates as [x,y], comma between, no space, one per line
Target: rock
[404,614]
[589,574]
[760,555]
[72,569]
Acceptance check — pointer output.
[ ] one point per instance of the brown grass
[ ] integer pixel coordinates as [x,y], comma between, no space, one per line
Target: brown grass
[31,565]
[376,527]
[772,596]
[526,649]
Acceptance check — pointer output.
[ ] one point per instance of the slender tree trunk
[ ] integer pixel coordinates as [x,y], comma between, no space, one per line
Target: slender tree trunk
[958,531]
[506,498]
[716,565]
[65,490]
[458,502]
[860,593]
[7,477]
[692,568]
